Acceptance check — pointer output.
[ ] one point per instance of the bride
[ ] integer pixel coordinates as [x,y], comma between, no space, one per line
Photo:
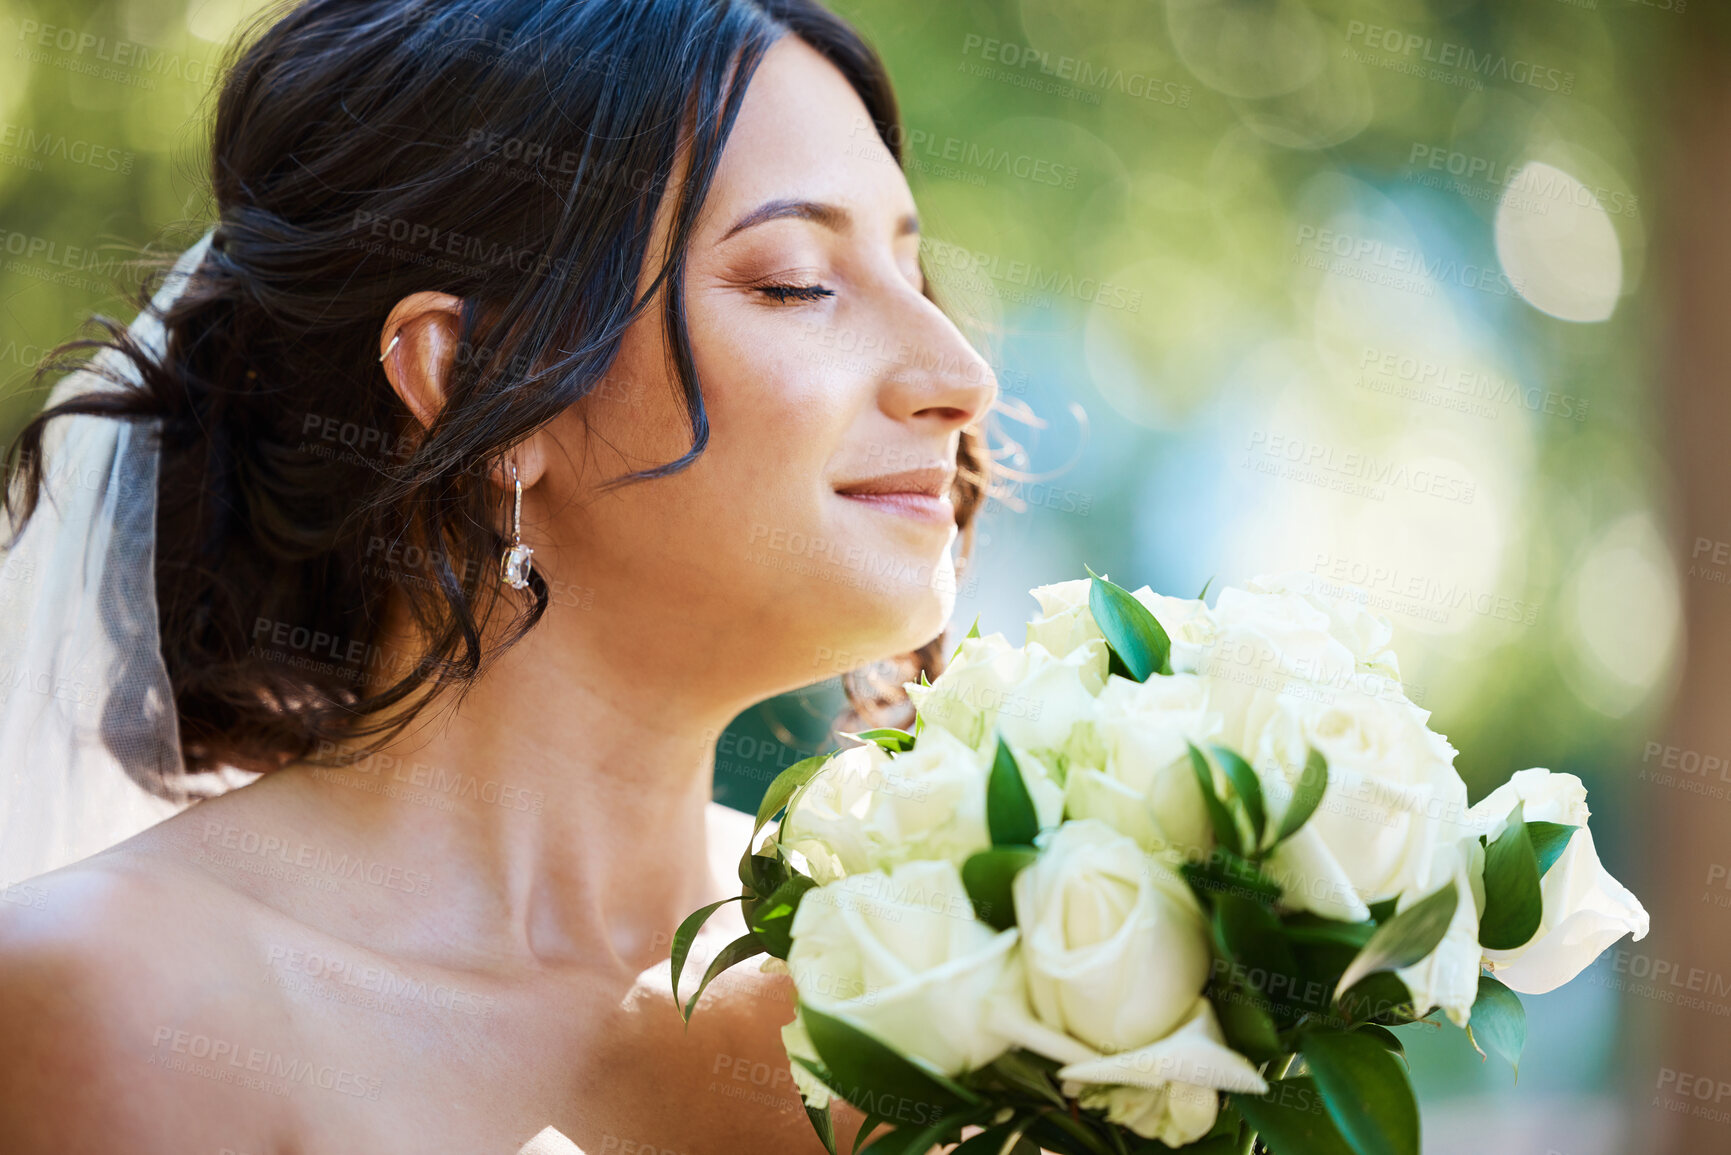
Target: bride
[630,284]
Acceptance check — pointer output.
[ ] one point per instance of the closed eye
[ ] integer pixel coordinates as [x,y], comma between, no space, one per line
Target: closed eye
[795,292]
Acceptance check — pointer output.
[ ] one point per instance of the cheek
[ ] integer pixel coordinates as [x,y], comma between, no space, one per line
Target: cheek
[776,419]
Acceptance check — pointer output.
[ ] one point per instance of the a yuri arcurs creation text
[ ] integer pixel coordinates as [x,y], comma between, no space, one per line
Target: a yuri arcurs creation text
[1163,876]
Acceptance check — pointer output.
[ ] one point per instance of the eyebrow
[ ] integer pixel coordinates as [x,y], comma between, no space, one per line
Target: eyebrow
[832,217]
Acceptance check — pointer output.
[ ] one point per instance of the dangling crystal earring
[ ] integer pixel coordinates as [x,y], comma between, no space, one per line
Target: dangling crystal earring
[514,566]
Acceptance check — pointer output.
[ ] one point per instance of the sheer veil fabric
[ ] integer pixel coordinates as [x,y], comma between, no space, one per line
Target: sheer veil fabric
[86,710]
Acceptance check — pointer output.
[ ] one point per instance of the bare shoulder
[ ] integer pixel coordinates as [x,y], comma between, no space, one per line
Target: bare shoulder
[96,964]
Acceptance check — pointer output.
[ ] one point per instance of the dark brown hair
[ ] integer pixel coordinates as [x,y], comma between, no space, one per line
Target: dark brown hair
[509,152]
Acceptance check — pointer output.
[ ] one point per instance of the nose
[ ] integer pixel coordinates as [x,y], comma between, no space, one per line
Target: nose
[941,380]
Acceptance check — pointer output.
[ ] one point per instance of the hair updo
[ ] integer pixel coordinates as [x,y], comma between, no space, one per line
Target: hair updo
[509,152]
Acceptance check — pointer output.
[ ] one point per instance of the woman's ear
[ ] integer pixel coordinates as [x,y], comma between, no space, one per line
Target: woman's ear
[417,347]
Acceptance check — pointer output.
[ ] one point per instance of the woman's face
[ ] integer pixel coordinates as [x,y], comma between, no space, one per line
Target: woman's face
[824,371]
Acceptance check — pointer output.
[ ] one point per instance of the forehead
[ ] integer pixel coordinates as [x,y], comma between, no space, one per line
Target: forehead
[803,131]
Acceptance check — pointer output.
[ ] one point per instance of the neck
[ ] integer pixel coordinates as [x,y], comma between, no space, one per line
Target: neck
[578,773]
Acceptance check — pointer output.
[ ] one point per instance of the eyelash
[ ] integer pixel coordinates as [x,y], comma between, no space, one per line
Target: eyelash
[786,293]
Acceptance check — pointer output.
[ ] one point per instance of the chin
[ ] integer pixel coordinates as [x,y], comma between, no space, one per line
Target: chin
[895,612]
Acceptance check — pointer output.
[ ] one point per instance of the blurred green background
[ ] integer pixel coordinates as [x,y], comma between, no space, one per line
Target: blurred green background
[1360,290]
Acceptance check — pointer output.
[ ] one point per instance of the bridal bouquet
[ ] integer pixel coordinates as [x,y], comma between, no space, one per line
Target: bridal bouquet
[1161,877]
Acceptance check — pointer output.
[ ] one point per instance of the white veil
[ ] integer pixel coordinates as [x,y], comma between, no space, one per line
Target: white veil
[86,711]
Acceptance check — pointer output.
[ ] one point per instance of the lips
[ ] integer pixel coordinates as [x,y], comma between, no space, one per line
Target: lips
[933,481]
[919,493]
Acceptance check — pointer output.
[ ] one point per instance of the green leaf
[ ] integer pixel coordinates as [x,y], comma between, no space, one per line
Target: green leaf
[1247,787]
[973,632]
[1549,839]
[867,1125]
[1019,1070]
[916,1140]
[1366,1091]
[1205,586]
[1220,818]
[887,738]
[1306,928]
[1227,873]
[740,949]
[1498,1022]
[1066,1134]
[1306,798]
[988,876]
[1513,902]
[772,920]
[762,873]
[1010,815]
[1132,632]
[1378,998]
[1404,939]
[1383,1035]
[1248,1028]
[1291,1119]
[823,1124]
[876,1078]
[988,1142]
[781,790]
[1248,933]
[687,934]
[1384,910]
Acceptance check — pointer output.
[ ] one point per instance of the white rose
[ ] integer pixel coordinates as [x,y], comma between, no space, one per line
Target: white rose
[1066,621]
[902,957]
[1033,698]
[1139,779]
[1167,1090]
[1393,795]
[1585,909]
[1268,649]
[1114,943]
[799,1046]
[1368,635]
[1112,962]
[1448,977]
[1188,623]
[823,821]
[866,810]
